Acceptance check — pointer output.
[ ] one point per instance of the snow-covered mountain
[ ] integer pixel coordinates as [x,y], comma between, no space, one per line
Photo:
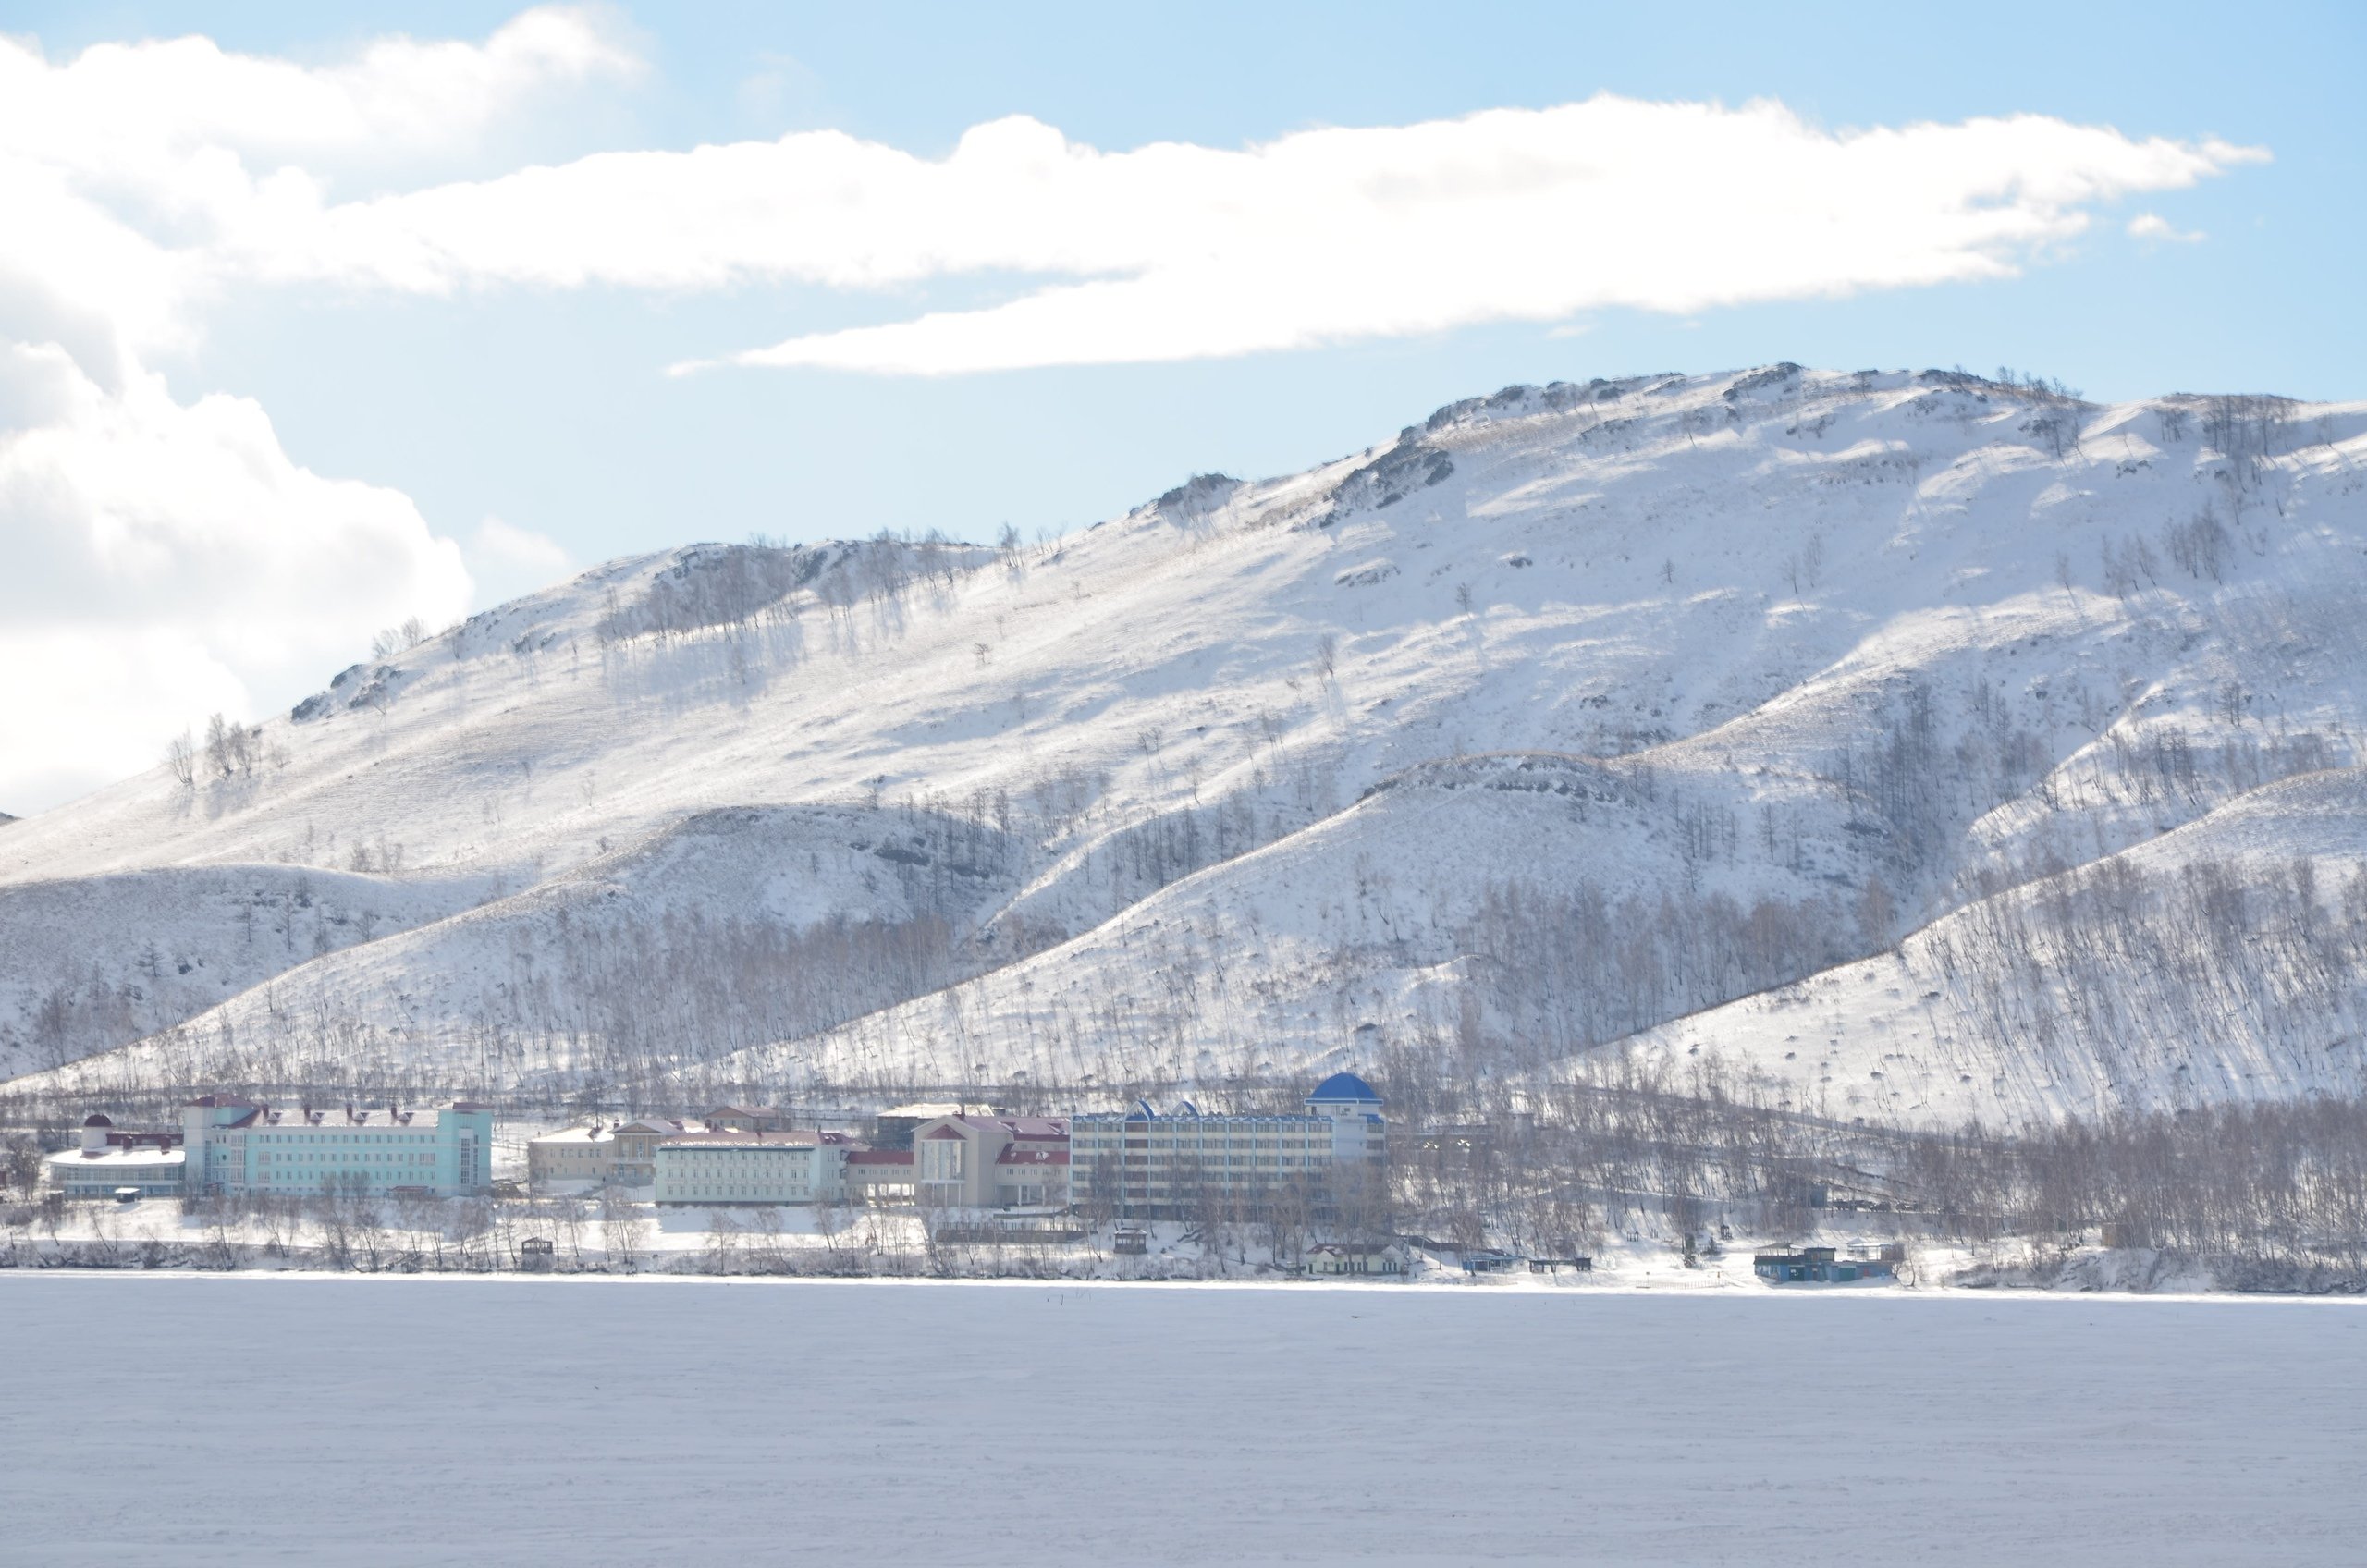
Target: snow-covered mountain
[1914,745]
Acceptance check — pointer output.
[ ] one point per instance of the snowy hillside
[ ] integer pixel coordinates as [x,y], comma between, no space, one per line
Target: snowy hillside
[1568,714]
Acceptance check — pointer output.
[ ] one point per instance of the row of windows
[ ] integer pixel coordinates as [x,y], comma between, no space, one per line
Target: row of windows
[1212,1161]
[736,1190]
[355,1137]
[1211,1143]
[1081,1128]
[1213,1134]
[1136,1179]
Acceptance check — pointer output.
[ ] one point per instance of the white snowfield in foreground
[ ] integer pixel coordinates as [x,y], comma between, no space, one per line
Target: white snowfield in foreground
[594,1422]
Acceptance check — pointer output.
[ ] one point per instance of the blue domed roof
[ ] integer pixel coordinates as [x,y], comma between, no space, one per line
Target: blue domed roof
[1344,1086]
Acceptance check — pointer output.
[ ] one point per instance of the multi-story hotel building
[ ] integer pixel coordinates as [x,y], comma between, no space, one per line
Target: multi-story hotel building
[1140,1161]
[240,1145]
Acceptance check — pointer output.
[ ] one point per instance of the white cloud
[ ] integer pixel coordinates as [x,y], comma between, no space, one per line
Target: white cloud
[121,109]
[507,561]
[166,560]
[166,556]
[1178,251]
[131,170]
[2154,225]
[101,707]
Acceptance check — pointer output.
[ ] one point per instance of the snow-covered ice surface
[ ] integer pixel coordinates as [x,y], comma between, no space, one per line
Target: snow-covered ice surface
[248,1420]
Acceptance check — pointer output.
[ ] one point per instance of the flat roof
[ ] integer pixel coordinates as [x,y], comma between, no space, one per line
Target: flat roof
[115,1159]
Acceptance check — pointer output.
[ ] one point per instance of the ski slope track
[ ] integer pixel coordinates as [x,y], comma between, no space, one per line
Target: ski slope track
[1914,746]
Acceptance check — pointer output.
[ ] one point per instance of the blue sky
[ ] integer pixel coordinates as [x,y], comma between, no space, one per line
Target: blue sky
[549,407]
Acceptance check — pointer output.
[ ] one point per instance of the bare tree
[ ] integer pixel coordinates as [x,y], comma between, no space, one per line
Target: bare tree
[722,1241]
[219,1218]
[1875,913]
[829,1223]
[400,638]
[22,1166]
[626,1233]
[770,1256]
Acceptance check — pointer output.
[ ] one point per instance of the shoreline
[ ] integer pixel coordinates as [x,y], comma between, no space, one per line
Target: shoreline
[1359,1286]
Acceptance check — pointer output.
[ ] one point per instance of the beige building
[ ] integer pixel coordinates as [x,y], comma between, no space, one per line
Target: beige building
[585,1155]
[893,1128]
[637,1149]
[991,1161]
[624,1155]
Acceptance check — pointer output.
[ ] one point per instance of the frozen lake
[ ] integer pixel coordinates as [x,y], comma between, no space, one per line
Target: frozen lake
[202,1420]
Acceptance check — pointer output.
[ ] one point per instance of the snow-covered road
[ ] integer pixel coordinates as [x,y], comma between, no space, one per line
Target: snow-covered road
[202,1420]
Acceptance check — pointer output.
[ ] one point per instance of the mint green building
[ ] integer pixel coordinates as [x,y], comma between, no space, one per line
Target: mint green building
[232,1144]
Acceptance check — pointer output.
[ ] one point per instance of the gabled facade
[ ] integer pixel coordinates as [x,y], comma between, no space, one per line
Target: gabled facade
[637,1141]
[991,1161]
